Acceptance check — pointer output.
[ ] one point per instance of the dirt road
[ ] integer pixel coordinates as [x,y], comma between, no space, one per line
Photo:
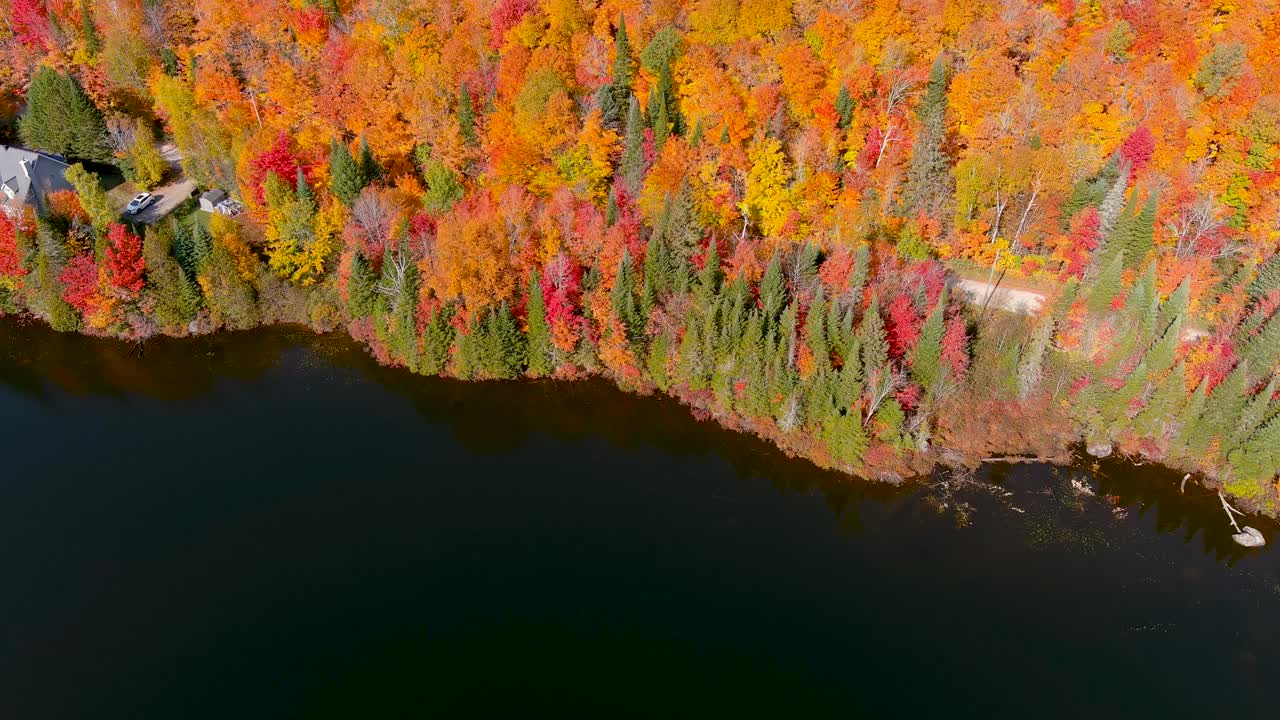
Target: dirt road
[1028,302]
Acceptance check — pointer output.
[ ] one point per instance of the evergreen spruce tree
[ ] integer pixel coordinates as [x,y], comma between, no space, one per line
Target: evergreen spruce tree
[60,315]
[303,192]
[659,355]
[508,351]
[61,119]
[708,284]
[621,63]
[362,292]
[1140,238]
[1031,367]
[232,301]
[1163,353]
[657,274]
[845,106]
[631,166]
[695,138]
[926,365]
[1222,410]
[1113,204]
[611,209]
[873,340]
[666,93]
[437,339]
[1189,425]
[861,268]
[622,299]
[92,41]
[345,178]
[929,183]
[539,337]
[201,243]
[691,365]
[183,252]
[1256,411]
[1255,462]
[370,170]
[468,361]
[683,232]
[1160,412]
[1106,286]
[815,330]
[1262,351]
[1176,306]
[660,121]
[773,292]
[467,116]
[1268,279]
[611,116]
[175,299]
[1142,305]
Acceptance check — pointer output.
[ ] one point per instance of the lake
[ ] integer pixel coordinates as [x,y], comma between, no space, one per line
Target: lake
[270,525]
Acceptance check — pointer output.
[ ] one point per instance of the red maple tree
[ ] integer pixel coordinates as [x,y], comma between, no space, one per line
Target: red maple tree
[125,264]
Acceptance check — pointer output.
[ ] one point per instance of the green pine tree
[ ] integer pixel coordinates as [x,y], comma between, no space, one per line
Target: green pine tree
[61,119]
[1262,351]
[1106,286]
[467,116]
[1031,368]
[657,274]
[1256,411]
[201,243]
[622,61]
[1159,414]
[49,302]
[815,332]
[362,292]
[844,107]
[539,336]
[370,170]
[303,192]
[92,41]
[929,182]
[926,364]
[1268,279]
[611,209]
[1188,419]
[631,166]
[345,178]
[1255,462]
[508,352]
[1222,410]
[437,339]
[1140,239]
[175,299]
[622,299]
[874,340]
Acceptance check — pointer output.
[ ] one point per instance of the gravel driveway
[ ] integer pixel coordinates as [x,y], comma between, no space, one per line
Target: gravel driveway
[168,196]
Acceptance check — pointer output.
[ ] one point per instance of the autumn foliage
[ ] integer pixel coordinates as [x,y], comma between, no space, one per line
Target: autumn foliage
[761,208]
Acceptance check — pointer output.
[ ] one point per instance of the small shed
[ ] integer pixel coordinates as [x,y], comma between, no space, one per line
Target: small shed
[210,200]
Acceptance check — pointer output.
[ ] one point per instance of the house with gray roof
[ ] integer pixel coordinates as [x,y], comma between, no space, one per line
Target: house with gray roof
[27,176]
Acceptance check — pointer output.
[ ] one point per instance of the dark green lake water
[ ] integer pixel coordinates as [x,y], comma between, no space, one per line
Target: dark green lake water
[269,525]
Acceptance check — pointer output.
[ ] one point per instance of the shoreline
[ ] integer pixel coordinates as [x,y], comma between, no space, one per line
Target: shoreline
[912,468]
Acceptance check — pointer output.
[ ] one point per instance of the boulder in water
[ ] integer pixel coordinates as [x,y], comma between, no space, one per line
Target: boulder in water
[1249,537]
[1099,450]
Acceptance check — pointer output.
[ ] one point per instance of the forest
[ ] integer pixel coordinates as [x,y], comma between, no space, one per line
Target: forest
[760,207]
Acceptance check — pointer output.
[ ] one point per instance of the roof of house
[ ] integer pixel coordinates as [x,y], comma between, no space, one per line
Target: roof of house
[214,196]
[43,174]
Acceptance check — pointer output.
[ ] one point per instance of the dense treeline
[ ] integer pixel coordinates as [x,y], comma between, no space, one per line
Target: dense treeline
[754,206]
